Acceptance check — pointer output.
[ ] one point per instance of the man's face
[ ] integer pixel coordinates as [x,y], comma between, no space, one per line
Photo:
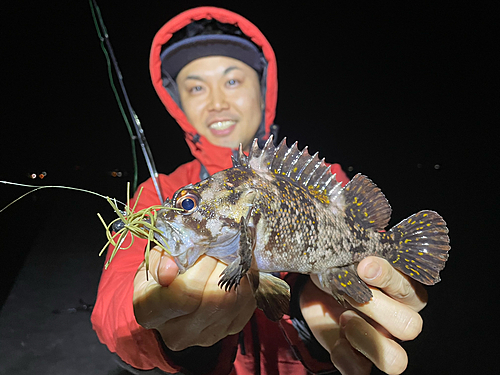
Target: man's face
[221,98]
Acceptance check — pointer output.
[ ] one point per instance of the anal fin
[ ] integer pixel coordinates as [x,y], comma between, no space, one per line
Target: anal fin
[271,293]
[345,280]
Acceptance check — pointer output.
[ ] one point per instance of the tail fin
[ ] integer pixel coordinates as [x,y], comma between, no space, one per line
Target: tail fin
[421,246]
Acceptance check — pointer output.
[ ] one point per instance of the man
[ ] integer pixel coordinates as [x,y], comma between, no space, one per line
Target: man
[216,74]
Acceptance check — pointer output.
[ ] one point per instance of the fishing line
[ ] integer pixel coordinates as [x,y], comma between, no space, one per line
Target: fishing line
[140,224]
[50,186]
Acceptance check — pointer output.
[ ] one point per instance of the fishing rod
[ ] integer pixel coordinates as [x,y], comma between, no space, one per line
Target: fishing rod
[140,136]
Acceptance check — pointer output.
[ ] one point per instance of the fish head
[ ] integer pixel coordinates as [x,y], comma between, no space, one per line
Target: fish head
[205,218]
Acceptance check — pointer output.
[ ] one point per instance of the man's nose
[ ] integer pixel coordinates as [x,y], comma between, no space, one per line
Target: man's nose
[218,100]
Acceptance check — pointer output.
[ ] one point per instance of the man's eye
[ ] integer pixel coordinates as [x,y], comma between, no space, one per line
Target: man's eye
[196,89]
[232,82]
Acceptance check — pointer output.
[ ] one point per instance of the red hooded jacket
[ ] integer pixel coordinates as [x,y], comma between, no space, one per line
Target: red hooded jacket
[264,346]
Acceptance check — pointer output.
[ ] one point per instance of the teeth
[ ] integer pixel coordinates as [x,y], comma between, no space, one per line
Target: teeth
[221,125]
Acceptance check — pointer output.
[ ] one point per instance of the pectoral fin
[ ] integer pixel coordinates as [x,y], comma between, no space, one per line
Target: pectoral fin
[345,280]
[271,293]
[232,274]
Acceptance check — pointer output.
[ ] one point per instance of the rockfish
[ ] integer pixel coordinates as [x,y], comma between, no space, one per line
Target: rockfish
[281,209]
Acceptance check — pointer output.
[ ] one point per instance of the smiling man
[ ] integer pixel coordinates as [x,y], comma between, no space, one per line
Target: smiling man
[221,98]
[216,75]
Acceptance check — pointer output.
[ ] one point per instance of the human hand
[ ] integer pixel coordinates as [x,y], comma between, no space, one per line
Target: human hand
[356,340]
[189,309]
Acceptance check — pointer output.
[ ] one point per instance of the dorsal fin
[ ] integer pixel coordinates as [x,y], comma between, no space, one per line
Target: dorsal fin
[366,204]
[297,165]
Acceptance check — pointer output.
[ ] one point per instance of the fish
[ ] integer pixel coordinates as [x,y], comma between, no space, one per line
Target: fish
[280,209]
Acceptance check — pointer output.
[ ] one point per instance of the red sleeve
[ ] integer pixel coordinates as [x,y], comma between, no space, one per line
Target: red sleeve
[340,175]
[113,317]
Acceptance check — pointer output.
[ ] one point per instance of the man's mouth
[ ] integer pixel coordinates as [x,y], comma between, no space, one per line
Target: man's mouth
[222,125]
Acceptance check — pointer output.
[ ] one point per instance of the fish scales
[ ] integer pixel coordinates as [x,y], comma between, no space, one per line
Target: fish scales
[301,234]
[281,209]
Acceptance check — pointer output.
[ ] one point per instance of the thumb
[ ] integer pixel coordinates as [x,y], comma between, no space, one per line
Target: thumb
[162,266]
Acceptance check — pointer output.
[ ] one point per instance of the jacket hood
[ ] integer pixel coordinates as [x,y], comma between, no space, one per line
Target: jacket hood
[214,158]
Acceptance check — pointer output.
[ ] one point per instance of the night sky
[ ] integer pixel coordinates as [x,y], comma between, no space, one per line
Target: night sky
[402,93]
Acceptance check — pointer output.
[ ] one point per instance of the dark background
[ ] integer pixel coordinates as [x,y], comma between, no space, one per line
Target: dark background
[402,93]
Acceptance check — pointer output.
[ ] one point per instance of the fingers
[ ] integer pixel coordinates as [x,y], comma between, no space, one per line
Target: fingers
[154,304]
[348,360]
[353,342]
[385,353]
[322,313]
[162,267]
[378,272]
[398,319]
[220,314]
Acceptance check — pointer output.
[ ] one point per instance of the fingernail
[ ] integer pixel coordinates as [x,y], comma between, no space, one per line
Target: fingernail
[372,270]
[346,316]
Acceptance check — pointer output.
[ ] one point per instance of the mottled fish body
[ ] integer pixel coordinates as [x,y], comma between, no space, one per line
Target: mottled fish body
[281,209]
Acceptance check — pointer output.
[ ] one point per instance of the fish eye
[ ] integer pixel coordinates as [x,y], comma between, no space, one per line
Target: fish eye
[188,204]
[187,201]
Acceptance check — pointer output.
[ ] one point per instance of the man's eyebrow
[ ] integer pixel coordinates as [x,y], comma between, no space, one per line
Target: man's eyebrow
[199,78]
[230,69]
[194,77]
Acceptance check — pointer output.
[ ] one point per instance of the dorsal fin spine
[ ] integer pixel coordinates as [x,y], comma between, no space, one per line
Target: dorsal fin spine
[337,188]
[297,165]
[328,182]
[277,151]
[322,174]
[295,161]
[305,164]
[305,183]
